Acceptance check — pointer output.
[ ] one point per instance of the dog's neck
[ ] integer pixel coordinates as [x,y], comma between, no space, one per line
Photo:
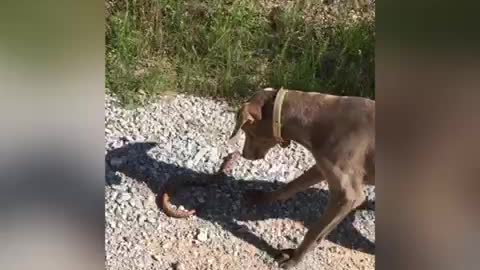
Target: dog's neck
[299,115]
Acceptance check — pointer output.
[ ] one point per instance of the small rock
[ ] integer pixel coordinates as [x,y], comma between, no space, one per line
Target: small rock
[202,236]
[141,219]
[199,155]
[189,163]
[167,245]
[136,203]
[139,138]
[116,161]
[151,219]
[116,144]
[178,266]
[213,155]
[124,197]
[120,187]
[332,249]
[149,202]
[112,224]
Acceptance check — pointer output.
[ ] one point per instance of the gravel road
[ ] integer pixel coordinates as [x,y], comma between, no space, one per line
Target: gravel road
[184,137]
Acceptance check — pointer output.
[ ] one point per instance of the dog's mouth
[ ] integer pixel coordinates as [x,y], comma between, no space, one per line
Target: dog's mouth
[253,156]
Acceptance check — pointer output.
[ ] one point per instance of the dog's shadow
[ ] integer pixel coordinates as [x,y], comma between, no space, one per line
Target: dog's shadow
[221,197]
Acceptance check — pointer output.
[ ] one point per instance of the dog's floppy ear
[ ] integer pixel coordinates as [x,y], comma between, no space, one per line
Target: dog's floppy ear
[249,112]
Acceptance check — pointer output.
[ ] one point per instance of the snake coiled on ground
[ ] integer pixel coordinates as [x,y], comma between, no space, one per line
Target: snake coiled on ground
[171,187]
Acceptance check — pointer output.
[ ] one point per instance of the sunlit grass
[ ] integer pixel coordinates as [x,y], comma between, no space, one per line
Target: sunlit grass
[210,48]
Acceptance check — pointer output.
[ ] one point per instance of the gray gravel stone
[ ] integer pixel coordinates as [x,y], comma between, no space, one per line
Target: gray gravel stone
[189,136]
[179,266]
[116,161]
[202,236]
[120,187]
[124,197]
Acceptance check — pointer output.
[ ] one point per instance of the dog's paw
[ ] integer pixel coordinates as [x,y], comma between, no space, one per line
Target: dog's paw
[255,197]
[286,258]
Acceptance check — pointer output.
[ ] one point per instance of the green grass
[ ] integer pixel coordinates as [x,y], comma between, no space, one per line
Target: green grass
[211,48]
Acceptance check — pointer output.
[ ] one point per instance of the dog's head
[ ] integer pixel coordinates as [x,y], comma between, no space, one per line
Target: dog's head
[255,119]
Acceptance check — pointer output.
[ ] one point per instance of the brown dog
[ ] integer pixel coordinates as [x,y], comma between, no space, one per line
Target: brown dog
[339,132]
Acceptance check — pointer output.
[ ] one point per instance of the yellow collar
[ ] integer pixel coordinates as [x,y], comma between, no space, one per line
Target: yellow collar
[277,115]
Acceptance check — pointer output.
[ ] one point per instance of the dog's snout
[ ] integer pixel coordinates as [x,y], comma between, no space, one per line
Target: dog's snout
[252,155]
[259,155]
[255,149]
[248,156]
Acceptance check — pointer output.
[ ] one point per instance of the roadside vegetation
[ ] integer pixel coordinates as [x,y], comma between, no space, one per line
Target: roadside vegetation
[227,49]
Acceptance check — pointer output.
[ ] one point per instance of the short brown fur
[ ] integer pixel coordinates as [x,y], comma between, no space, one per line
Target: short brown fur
[339,131]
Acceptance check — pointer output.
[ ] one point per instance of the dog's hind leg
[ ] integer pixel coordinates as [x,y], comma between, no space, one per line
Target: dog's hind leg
[307,179]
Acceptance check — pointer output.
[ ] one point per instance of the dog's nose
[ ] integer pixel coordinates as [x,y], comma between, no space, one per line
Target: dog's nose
[248,157]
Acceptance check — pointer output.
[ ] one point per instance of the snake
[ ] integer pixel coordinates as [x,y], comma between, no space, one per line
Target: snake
[170,188]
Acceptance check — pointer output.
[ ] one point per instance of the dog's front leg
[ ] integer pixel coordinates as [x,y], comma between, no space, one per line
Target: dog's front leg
[304,181]
[365,205]
[339,205]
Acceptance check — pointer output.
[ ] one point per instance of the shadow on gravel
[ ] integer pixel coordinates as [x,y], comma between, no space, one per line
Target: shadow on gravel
[219,199]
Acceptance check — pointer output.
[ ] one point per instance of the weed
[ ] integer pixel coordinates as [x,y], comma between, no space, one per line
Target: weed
[230,48]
